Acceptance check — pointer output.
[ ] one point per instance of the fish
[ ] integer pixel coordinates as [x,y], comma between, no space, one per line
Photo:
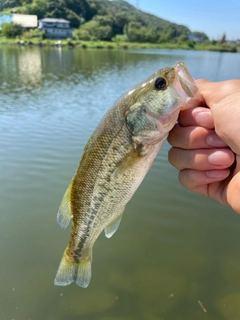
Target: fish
[115,161]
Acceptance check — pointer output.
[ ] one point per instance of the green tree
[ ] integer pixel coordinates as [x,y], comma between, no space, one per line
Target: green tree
[104,33]
[99,28]
[9,3]
[135,32]
[72,10]
[201,35]
[11,30]
[37,7]
[81,34]
[183,38]
[223,39]
[120,19]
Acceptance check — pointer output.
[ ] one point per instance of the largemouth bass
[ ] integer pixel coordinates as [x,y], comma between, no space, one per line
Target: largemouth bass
[115,160]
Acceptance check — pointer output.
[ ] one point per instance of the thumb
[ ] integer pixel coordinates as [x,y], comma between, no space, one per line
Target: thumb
[207,89]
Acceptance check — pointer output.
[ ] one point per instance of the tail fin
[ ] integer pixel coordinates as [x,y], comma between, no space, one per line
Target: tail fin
[70,271]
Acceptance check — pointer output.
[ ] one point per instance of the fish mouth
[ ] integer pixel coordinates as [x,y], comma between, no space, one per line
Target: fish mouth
[184,84]
[186,94]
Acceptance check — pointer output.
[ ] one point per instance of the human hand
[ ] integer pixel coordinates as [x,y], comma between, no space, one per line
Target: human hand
[206,143]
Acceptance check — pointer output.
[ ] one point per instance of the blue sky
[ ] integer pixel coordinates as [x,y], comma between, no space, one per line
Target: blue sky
[214,17]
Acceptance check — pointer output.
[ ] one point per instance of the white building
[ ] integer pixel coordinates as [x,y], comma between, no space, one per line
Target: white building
[55,28]
[25,20]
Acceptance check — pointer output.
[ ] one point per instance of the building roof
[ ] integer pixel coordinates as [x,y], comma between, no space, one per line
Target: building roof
[53,20]
[25,20]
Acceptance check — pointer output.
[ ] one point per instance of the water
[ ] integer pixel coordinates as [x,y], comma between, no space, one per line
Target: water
[173,248]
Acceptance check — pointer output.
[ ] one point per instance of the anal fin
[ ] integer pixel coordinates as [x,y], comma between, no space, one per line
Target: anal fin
[64,214]
[113,226]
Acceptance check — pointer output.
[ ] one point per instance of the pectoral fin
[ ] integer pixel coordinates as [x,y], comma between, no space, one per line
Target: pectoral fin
[113,226]
[128,162]
[64,214]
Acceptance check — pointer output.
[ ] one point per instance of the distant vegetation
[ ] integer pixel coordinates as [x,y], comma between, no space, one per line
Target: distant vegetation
[93,20]
[103,20]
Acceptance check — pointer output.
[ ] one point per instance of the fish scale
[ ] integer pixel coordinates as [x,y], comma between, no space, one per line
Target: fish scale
[115,160]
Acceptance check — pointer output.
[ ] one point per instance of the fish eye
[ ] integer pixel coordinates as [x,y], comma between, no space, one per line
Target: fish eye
[160,83]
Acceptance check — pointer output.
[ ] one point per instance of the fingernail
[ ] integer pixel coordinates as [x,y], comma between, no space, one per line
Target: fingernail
[219,158]
[213,140]
[204,118]
[218,174]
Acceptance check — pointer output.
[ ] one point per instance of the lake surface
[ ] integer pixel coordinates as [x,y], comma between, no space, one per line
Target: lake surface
[175,251]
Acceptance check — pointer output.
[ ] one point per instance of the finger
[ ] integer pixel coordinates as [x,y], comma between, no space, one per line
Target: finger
[206,89]
[196,117]
[223,89]
[199,180]
[233,189]
[194,138]
[203,84]
[232,193]
[201,159]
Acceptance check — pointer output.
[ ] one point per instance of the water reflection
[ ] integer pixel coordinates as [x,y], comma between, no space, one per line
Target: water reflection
[24,67]
[30,67]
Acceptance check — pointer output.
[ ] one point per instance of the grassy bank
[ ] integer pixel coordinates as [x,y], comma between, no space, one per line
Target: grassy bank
[117,45]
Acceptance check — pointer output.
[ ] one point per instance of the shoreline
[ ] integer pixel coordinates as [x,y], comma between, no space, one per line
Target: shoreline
[116,45]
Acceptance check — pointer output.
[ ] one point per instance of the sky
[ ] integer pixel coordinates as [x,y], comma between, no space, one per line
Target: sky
[214,17]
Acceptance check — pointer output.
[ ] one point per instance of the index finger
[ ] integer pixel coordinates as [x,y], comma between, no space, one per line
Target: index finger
[198,116]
